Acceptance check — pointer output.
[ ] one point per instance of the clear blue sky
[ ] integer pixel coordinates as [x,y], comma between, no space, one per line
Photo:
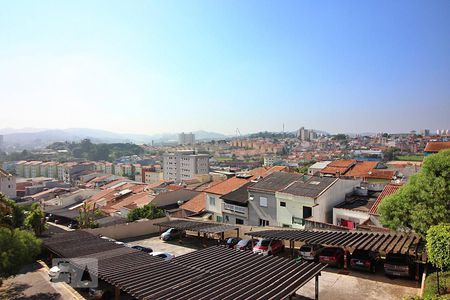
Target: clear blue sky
[170,66]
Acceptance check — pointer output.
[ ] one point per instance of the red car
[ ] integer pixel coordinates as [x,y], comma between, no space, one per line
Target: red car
[332,256]
[268,247]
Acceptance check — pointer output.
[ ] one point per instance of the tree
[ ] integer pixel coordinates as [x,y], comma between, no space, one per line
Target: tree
[438,247]
[35,219]
[87,216]
[11,215]
[424,201]
[19,247]
[148,211]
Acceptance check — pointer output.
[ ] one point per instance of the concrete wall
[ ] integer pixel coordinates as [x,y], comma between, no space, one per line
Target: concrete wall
[217,208]
[128,230]
[256,211]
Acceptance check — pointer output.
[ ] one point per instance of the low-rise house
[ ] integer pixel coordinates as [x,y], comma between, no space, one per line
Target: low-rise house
[311,198]
[338,167]
[435,146]
[195,206]
[355,210]
[317,167]
[262,205]
[235,205]
[213,202]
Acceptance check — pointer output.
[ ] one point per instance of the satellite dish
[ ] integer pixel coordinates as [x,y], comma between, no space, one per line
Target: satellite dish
[179,202]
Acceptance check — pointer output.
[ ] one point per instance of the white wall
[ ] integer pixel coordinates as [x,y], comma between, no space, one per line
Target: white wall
[355,216]
[217,208]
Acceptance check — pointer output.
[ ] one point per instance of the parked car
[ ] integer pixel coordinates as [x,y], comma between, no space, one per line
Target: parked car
[61,272]
[171,234]
[100,294]
[164,255]
[73,225]
[143,249]
[232,241]
[310,252]
[268,247]
[399,265]
[364,260]
[333,256]
[245,244]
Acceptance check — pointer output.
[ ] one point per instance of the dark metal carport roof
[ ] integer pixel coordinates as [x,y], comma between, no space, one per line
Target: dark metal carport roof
[205,227]
[375,241]
[212,273]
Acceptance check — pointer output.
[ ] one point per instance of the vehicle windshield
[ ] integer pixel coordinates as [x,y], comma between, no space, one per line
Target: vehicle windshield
[360,254]
[305,249]
[329,251]
[264,243]
[396,259]
[162,255]
[243,242]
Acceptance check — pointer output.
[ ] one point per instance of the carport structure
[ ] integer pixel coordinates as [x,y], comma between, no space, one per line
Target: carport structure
[384,243]
[199,227]
[212,273]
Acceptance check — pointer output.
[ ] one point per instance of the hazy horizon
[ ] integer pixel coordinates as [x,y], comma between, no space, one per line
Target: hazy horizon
[167,67]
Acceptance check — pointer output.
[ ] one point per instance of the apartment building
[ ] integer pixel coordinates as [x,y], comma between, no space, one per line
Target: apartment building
[184,165]
[7,184]
[186,138]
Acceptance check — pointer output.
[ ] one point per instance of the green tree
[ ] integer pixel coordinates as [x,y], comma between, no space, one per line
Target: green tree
[438,248]
[148,211]
[11,215]
[35,219]
[424,201]
[18,248]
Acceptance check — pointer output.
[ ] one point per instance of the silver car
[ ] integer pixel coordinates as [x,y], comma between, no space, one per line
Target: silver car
[310,252]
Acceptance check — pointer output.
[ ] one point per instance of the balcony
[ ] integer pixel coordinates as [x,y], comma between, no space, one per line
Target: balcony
[235,209]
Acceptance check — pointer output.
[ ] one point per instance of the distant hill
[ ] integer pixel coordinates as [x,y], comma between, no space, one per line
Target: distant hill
[33,138]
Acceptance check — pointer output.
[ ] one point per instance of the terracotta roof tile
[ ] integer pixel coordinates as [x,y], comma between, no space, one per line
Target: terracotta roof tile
[227,186]
[436,146]
[362,169]
[388,190]
[196,204]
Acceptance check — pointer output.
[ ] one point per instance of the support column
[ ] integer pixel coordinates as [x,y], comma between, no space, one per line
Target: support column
[117,294]
[316,288]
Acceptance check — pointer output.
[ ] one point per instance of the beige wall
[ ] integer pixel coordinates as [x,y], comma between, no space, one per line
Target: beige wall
[127,230]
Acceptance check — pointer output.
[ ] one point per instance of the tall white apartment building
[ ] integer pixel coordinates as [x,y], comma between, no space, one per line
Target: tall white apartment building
[186,138]
[184,165]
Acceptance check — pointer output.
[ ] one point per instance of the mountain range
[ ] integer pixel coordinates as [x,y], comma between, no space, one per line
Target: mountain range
[38,138]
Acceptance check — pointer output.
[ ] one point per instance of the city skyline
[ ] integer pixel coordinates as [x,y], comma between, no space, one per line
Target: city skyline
[159,67]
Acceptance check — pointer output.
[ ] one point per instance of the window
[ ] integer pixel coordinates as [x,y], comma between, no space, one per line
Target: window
[307,212]
[239,221]
[219,219]
[283,204]
[263,222]
[227,219]
[212,201]
[263,201]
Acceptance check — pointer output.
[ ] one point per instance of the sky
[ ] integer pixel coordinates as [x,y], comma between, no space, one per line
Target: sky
[169,66]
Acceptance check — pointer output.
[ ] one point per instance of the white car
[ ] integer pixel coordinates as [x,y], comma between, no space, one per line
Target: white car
[164,255]
[310,252]
[60,272]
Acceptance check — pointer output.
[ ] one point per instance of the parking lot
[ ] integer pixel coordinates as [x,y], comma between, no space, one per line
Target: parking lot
[335,284]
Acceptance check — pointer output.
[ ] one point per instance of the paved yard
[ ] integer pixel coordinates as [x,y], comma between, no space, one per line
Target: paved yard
[175,247]
[34,284]
[335,286]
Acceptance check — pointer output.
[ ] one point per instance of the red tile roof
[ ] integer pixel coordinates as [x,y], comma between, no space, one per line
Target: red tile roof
[435,147]
[388,190]
[340,166]
[362,168]
[227,186]
[196,204]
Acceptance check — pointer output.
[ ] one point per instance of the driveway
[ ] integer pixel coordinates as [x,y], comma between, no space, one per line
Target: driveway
[336,286]
[33,284]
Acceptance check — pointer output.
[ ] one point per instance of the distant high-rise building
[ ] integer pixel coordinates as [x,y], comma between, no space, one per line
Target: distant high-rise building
[184,165]
[186,138]
[305,134]
[425,132]
[1,142]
